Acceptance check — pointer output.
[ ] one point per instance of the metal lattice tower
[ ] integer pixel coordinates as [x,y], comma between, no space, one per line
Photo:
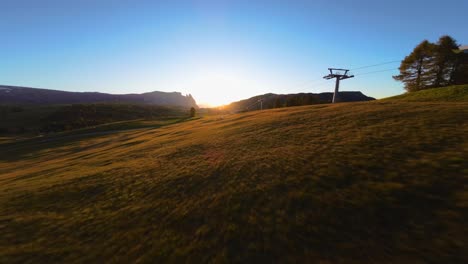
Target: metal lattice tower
[339,74]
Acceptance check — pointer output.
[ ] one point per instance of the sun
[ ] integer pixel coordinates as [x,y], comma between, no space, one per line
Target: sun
[213,88]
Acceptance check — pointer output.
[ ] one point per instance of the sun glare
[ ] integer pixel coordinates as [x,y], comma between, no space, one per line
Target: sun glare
[214,88]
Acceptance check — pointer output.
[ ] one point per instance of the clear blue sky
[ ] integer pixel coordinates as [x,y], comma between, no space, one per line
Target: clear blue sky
[218,51]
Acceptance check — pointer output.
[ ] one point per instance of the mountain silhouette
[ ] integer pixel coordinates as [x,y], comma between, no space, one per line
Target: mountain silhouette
[36,96]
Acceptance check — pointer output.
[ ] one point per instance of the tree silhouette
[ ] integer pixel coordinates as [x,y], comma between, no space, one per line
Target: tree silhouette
[434,65]
[459,74]
[444,61]
[192,112]
[414,71]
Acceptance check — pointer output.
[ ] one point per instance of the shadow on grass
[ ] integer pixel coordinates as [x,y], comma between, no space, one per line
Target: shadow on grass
[16,150]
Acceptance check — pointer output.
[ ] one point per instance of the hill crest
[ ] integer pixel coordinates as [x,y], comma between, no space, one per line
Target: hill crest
[456,93]
[271,100]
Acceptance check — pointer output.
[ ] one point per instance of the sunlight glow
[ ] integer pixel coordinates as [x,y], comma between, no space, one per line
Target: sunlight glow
[216,87]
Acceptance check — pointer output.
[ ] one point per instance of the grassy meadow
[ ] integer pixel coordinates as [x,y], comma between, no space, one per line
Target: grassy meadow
[33,120]
[456,93]
[370,182]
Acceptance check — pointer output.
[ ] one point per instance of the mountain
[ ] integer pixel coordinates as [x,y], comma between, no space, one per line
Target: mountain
[271,100]
[26,95]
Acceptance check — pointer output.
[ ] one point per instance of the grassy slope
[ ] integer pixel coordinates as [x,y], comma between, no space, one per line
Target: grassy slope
[458,93]
[363,182]
[27,120]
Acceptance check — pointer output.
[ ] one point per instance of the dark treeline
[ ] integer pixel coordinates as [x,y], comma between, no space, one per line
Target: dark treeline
[432,65]
[86,115]
[27,119]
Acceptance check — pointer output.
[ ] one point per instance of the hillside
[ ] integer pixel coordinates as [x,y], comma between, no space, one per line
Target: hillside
[368,182]
[29,120]
[285,100]
[25,95]
[457,93]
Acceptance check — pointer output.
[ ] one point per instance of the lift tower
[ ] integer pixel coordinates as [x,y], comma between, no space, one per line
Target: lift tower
[339,74]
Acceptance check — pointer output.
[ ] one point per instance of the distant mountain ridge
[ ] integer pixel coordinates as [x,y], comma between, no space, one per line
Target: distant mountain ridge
[37,96]
[272,100]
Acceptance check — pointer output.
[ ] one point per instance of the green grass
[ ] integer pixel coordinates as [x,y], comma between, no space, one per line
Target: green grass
[458,93]
[374,182]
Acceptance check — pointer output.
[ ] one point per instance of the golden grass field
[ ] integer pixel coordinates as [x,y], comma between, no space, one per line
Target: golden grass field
[373,182]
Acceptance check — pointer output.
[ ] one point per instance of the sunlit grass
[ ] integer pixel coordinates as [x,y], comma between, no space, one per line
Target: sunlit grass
[457,93]
[375,182]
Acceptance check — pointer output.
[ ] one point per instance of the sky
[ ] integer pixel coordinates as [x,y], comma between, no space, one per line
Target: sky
[218,51]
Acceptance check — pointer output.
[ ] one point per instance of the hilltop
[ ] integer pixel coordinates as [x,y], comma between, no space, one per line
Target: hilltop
[367,182]
[272,100]
[456,93]
[36,96]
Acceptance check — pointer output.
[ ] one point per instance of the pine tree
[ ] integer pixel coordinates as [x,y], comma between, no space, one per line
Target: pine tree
[459,74]
[444,61]
[434,65]
[414,72]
